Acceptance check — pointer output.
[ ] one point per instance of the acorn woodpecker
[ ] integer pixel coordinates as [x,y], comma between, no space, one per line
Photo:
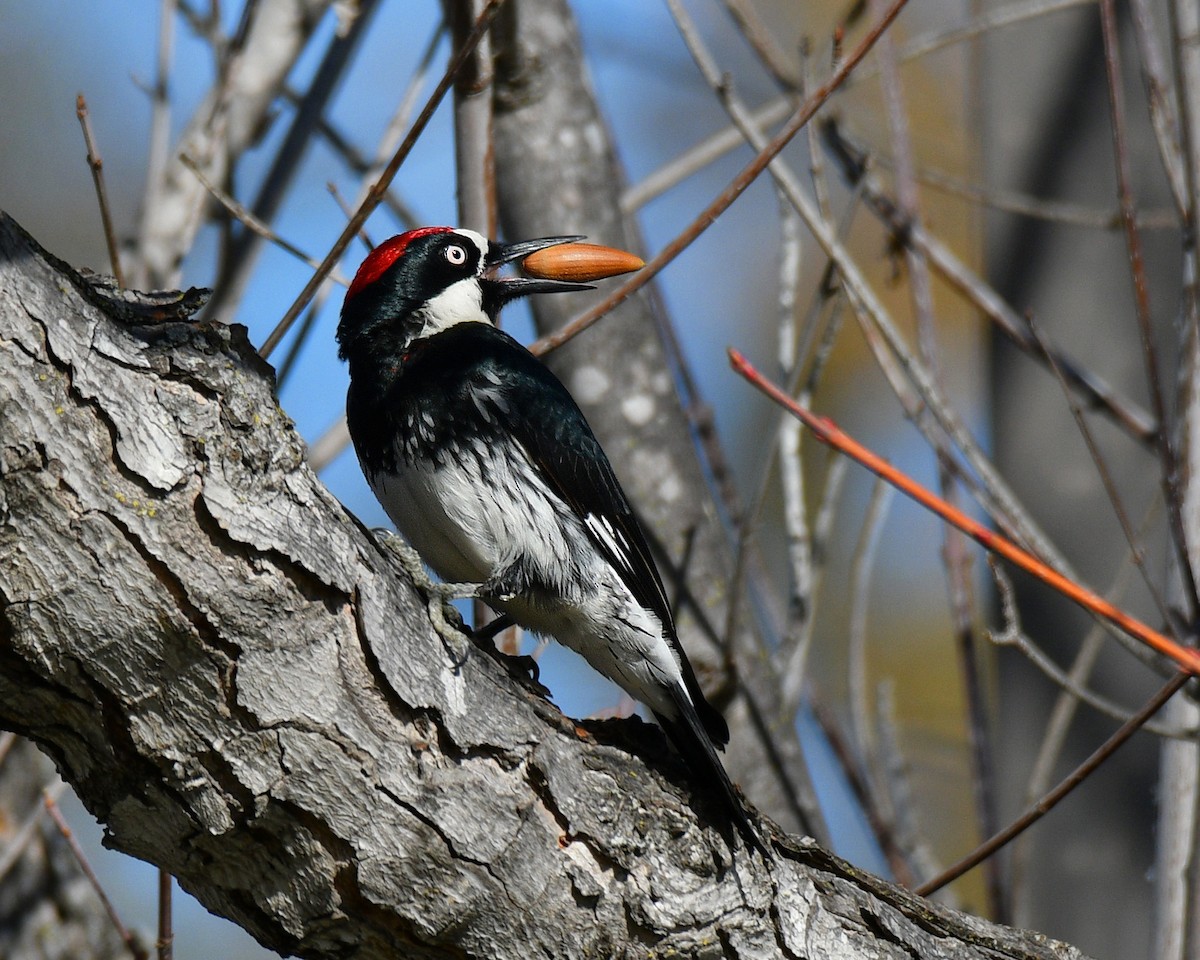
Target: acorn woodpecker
[488,468]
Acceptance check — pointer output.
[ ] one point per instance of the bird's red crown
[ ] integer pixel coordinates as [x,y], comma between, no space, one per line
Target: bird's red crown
[384,255]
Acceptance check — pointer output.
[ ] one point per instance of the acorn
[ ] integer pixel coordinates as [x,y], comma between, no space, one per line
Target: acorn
[580,262]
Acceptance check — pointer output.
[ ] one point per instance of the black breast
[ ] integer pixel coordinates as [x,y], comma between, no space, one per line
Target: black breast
[447,393]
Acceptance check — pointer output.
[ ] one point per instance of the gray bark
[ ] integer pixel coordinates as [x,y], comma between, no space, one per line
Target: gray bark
[241,685]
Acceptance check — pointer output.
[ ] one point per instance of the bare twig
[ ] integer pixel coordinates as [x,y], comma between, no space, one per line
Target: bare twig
[828,432]
[329,445]
[698,156]
[1170,478]
[912,849]
[348,210]
[862,567]
[1060,792]
[736,187]
[49,797]
[23,835]
[251,222]
[1071,684]
[1106,478]
[165,944]
[1163,115]
[97,167]
[780,66]
[1061,212]
[850,763]
[296,347]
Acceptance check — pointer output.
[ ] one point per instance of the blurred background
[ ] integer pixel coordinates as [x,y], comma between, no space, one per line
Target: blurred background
[979,134]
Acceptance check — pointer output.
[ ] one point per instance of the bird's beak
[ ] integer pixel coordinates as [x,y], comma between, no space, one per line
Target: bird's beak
[510,288]
[556,264]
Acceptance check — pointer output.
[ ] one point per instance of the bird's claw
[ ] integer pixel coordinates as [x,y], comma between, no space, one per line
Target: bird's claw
[527,664]
[438,596]
[499,587]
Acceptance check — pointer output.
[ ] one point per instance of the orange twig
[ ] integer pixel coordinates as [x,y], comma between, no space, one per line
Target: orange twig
[829,433]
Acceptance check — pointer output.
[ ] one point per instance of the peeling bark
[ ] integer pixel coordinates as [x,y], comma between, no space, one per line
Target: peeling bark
[246,691]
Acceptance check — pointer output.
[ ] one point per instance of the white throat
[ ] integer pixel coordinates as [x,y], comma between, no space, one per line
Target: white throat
[461,302]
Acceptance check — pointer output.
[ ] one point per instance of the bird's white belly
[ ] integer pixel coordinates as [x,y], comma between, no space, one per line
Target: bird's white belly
[437,516]
[613,633]
[451,516]
[473,516]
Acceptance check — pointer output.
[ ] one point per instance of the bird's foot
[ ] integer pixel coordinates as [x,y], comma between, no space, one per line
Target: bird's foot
[502,586]
[490,630]
[438,596]
[526,664]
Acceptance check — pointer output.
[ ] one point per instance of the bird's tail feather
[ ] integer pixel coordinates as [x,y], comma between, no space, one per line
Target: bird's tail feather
[690,738]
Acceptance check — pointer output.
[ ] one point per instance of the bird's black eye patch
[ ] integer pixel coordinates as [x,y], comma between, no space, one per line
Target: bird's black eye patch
[455,254]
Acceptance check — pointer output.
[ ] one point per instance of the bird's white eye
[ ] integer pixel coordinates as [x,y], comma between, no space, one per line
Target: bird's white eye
[456,255]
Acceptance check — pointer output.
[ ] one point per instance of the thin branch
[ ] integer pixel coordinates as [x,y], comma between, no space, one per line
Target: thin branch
[762,42]
[698,156]
[97,166]
[825,430]
[22,836]
[1071,685]
[251,222]
[348,212]
[296,347]
[862,566]
[850,763]
[165,944]
[49,797]
[1106,478]
[327,447]
[1060,792]
[1163,115]
[1014,201]
[725,199]
[912,850]
[1170,478]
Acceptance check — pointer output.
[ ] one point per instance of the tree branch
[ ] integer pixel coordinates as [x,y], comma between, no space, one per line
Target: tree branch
[242,688]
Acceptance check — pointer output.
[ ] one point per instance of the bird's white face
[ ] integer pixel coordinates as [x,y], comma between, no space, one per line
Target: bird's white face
[462,301]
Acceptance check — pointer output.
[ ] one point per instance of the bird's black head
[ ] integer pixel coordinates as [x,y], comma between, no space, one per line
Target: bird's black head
[424,281]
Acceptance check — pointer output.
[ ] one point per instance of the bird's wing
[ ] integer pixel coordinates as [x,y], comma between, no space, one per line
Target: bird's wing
[552,430]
